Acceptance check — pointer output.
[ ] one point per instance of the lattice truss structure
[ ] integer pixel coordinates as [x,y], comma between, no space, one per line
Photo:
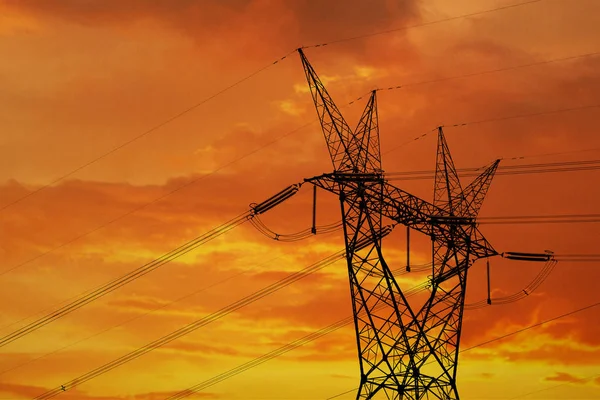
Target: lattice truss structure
[404,353]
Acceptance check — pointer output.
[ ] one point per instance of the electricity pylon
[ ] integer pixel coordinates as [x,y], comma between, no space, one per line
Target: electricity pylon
[404,353]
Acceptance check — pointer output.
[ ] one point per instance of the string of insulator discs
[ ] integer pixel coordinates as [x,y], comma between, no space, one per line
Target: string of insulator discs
[521,294]
[294,237]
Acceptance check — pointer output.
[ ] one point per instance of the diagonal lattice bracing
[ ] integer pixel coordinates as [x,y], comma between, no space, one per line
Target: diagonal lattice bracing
[476,191]
[447,190]
[366,138]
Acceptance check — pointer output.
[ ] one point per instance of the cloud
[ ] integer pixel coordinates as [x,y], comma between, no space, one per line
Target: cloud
[564,377]
[209,24]
[83,79]
[289,107]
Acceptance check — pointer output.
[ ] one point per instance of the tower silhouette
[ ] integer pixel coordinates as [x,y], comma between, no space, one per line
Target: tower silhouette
[404,353]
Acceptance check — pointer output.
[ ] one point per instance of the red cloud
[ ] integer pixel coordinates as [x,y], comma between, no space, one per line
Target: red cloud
[113,68]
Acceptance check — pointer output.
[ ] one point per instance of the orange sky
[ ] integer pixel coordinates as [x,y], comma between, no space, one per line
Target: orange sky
[79,78]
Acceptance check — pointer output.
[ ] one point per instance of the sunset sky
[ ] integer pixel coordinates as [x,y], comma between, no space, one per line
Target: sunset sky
[81,78]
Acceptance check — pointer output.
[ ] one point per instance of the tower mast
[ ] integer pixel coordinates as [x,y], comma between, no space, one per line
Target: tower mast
[404,353]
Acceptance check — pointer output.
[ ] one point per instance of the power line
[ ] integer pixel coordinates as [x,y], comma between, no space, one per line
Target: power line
[534,326]
[218,169]
[516,169]
[186,296]
[415,268]
[288,280]
[307,339]
[561,110]
[537,0]
[247,77]
[507,335]
[560,257]
[552,221]
[502,169]
[276,353]
[123,280]
[394,346]
[255,209]
[540,219]
[141,135]
[100,292]
[277,139]
[407,27]
[536,114]
[535,283]
[155,200]
[195,180]
[561,153]
[587,378]
[479,73]
[94,295]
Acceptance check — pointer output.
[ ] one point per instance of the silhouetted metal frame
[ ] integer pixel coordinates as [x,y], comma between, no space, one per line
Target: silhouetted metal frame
[403,354]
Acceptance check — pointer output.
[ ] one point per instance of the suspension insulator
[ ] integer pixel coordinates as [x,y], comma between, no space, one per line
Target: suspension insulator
[451,220]
[539,257]
[276,199]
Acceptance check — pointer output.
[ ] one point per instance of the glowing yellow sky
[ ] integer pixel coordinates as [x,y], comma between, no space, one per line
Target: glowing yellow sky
[79,78]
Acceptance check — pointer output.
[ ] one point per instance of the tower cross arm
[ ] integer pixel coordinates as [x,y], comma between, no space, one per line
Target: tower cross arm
[405,208]
[433,221]
[392,202]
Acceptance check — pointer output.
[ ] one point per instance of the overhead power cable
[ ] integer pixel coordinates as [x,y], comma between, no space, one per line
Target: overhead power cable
[423,24]
[333,327]
[123,280]
[579,258]
[495,119]
[155,200]
[585,308]
[280,351]
[151,266]
[288,280]
[502,167]
[415,268]
[277,139]
[548,221]
[570,216]
[479,73]
[516,169]
[307,339]
[136,317]
[585,379]
[521,294]
[247,77]
[141,135]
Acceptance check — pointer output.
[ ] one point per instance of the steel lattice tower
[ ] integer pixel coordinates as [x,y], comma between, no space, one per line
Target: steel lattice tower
[404,353]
